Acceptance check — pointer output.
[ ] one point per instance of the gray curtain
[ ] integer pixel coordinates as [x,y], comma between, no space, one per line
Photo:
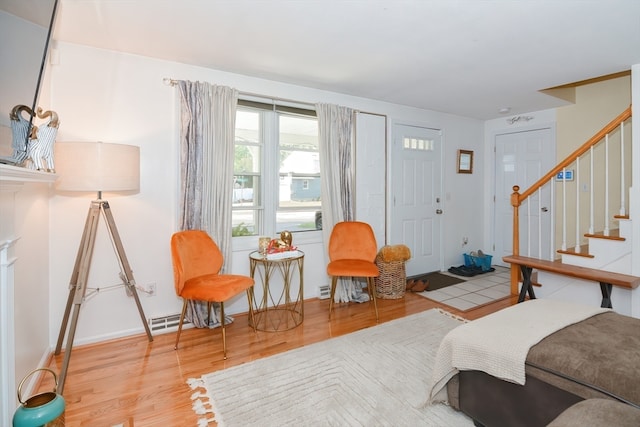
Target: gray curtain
[207,126]
[336,145]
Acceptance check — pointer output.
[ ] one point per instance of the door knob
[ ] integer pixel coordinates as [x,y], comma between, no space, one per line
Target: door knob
[545,209]
[439,211]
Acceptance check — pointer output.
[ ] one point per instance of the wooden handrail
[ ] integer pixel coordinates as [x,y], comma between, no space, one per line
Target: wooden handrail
[577,153]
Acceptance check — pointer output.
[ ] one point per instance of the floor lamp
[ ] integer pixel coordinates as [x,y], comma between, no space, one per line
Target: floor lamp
[95,167]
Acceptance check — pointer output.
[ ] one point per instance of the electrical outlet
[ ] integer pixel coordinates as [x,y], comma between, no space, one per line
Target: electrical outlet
[151,290]
[465,240]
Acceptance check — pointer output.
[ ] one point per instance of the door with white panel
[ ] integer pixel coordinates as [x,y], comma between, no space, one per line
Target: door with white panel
[522,158]
[371,171]
[415,213]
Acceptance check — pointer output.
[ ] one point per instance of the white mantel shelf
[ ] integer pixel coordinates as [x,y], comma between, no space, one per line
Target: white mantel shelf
[14,175]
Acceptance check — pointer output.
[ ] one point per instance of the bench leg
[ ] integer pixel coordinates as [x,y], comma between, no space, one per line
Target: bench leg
[527,288]
[606,294]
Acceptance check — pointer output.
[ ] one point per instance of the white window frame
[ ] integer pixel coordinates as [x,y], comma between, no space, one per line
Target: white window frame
[270,178]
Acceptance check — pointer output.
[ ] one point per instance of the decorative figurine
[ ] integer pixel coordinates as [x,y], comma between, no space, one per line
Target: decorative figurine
[37,152]
[287,238]
[283,244]
[40,148]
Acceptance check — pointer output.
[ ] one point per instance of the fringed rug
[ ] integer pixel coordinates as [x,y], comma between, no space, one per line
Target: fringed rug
[377,376]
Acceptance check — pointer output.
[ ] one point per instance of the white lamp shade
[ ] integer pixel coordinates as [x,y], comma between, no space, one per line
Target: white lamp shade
[97,166]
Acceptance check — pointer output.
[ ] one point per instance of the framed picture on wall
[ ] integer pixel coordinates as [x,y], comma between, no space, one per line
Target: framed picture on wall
[465,161]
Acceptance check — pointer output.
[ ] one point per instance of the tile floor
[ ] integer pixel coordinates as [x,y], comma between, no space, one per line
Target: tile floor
[476,291]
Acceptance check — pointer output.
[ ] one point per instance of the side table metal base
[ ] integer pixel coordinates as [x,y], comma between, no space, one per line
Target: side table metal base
[277,311]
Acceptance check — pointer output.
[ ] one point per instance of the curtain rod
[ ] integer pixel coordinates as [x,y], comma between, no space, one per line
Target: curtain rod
[172,82]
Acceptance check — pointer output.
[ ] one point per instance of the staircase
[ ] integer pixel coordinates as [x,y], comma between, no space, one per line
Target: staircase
[591,225]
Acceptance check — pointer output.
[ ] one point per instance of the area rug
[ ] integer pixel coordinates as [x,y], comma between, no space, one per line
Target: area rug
[435,280]
[376,376]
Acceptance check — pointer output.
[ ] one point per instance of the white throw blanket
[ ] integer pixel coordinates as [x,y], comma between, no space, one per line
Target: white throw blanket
[498,344]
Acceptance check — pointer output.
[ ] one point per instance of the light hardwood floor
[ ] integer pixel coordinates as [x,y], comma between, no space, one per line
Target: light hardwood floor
[132,382]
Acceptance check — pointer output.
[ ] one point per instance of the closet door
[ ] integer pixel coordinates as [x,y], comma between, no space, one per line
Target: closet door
[371,171]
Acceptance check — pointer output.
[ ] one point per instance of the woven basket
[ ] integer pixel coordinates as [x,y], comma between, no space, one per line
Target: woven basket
[392,282]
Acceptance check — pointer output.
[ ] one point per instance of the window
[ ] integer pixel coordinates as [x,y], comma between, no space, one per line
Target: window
[410,143]
[276,183]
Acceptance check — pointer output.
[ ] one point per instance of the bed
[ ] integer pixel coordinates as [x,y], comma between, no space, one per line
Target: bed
[527,364]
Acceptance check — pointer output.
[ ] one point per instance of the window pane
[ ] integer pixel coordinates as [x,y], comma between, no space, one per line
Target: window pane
[247,166]
[303,220]
[298,132]
[246,158]
[245,222]
[248,127]
[246,191]
[299,191]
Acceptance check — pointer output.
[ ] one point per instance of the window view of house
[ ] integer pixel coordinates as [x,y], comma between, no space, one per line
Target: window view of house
[276,183]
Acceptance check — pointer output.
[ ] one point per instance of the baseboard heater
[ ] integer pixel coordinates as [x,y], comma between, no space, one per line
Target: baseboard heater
[165,322]
[325,292]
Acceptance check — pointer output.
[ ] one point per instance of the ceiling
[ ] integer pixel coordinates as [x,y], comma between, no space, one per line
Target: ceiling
[465,57]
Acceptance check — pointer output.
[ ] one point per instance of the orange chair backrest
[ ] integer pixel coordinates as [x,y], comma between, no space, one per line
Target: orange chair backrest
[194,253]
[352,240]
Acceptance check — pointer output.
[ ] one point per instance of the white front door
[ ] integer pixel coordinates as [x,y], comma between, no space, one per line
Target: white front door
[521,159]
[415,196]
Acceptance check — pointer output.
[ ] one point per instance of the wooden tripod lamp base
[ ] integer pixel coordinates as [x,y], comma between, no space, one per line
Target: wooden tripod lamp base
[78,282]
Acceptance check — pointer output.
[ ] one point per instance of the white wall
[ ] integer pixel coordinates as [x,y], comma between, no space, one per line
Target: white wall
[21,46]
[464,194]
[118,98]
[31,291]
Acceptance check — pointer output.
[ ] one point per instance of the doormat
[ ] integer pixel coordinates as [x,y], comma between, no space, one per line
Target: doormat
[431,282]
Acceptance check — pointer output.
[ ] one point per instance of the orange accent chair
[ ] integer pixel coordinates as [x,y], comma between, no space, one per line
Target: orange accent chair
[352,253]
[197,261]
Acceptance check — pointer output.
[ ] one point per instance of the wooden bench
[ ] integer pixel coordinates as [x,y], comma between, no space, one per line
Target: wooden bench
[607,279]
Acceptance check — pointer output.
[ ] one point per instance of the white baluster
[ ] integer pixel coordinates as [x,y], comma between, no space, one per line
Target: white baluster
[578,249]
[623,188]
[540,222]
[564,210]
[591,195]
[552,229]
[606,185]
[529,201]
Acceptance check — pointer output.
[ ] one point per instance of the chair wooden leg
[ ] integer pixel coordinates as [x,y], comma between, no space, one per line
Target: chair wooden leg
[252,322]
[224,334]
[334,281]
[372,293]
[208,313]
[184,311]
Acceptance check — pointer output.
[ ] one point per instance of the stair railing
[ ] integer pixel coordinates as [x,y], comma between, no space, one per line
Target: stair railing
[597,151]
